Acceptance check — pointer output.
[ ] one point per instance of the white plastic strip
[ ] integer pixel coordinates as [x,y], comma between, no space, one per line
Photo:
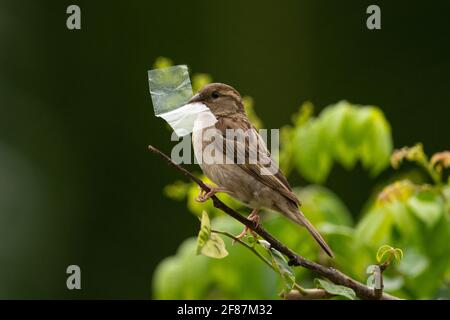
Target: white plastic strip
[183,119]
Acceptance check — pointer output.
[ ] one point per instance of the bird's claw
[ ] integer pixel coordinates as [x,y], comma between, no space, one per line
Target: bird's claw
[203,195]
[253,217]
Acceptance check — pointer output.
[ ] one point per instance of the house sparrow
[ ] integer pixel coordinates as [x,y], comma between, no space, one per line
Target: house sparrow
[247,181]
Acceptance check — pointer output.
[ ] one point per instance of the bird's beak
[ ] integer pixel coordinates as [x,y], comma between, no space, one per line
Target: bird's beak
[196,98]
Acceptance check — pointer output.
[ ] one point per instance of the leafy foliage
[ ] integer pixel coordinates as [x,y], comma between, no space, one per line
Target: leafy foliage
[336,289]
[187,275]
[405,214]
[280,265]
[386,253]
[343,133]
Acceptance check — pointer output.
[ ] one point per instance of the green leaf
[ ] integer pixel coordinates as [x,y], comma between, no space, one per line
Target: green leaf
[312,158]
[341,127]
[398,254]
[427,206]
[322,205]
[204,233]
[215,247]
[414,263]
[404,221]
[446,194]
[210,244]
[343,133]
[304,113]
[377,147]
[374,228]
[280,264]
[182,276]
[336,289]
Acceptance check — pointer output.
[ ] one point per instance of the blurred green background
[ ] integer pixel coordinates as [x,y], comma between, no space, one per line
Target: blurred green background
[77,184]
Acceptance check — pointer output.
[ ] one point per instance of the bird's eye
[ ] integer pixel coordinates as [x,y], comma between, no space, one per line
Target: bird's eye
[215,95]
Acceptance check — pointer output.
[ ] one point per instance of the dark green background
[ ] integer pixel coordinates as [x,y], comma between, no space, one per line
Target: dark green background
[77,185]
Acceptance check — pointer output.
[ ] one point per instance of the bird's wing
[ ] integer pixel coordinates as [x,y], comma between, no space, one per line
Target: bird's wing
[247,144]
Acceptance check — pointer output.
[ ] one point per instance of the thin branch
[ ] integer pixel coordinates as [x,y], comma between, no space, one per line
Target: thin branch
[307,294]
[229,235]
[332,274]
[298,293]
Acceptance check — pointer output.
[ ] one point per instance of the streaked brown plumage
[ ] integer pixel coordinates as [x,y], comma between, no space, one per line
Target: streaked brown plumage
[244,181]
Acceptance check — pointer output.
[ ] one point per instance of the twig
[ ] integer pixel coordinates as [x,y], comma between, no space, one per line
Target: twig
[332,274]
[307,294]
[229,235]
[298,292]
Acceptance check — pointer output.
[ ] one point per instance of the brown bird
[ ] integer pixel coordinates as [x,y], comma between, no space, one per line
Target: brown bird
[250,182]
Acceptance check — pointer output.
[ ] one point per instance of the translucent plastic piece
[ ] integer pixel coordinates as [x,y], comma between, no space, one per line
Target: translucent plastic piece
[171,90]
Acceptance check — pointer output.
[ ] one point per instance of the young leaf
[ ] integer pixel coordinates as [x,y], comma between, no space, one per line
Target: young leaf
[382,251]
[336,289]
[214,247]
[414,154]
[210,244]
[280,264]
[427,206]
[397,191]
[440,161]
[386,253]
[398,254]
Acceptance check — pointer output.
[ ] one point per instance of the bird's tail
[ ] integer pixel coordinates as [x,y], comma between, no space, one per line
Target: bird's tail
[300,218]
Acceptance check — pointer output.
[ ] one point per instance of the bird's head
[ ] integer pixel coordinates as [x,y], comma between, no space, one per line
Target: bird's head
[220,98]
